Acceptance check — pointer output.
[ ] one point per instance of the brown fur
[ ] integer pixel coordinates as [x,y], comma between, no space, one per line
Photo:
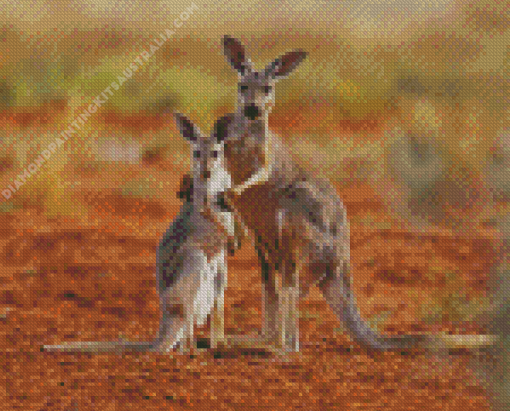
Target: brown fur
[299,222]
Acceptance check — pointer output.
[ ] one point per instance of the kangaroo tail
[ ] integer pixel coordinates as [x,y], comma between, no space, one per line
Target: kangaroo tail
[171,332]
[363,334]
[339,295]
[100,346]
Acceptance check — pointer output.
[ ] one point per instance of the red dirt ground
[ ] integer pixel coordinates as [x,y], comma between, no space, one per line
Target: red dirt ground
[92,278]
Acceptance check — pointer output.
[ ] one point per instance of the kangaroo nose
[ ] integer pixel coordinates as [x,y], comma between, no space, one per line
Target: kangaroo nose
[252,112]
[222,203]
[206,175]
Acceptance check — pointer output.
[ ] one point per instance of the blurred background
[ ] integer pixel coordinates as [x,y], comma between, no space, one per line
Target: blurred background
[411,97]
[403,105]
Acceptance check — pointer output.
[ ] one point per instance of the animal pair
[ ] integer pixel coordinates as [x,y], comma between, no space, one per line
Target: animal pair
[299,223]
[298,220]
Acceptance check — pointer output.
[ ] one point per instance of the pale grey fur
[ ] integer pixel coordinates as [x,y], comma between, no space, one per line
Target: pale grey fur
[191,265]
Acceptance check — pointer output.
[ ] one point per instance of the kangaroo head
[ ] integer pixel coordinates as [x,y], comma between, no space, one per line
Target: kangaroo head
[209,174]
[255,94]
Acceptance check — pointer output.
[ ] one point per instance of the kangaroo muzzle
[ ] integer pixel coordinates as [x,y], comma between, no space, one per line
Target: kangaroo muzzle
[252,112]
[222,203]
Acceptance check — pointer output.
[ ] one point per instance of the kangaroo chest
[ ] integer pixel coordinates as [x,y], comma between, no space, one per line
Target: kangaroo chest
[244,158]
[211,239]
[257,207]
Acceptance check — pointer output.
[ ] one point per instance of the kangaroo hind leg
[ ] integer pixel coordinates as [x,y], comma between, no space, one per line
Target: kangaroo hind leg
[218,317]
[291,265]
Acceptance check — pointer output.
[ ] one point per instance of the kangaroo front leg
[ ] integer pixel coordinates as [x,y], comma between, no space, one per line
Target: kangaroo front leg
[260,177]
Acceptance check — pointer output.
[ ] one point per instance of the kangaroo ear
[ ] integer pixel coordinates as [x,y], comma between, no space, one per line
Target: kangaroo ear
[284,65]
[221,128]
[236,56]
[188,130]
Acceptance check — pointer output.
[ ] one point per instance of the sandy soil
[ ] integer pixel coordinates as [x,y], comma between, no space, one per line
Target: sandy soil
[93,279]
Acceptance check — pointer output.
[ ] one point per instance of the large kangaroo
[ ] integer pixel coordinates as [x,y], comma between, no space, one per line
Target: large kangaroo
[191,257]
[299,222]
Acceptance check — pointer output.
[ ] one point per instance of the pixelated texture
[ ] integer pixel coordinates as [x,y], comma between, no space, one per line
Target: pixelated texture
[400,108]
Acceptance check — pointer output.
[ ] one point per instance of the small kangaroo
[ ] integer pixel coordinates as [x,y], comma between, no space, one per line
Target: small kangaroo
[299,222]
[191,267]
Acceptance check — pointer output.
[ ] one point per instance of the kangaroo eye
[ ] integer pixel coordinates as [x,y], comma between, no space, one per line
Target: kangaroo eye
[243,88]
[196,154]
[267,89]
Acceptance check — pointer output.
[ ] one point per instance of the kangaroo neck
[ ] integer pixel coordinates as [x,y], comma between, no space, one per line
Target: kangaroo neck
[255,127]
